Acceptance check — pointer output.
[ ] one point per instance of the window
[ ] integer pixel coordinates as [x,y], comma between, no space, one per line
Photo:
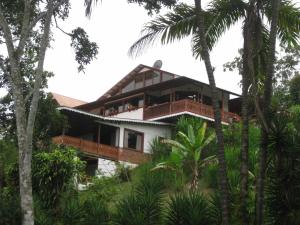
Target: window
[133,140]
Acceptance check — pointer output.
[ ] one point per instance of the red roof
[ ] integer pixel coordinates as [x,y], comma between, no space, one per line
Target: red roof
[67,101]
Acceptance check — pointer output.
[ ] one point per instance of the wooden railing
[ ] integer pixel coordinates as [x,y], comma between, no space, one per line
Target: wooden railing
[101,150]
[189,106]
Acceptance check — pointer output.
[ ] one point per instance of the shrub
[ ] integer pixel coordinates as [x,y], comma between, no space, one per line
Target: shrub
[10,211]
[123,172]
[188,209]
[142,206]
[72,211]
[159,151]
[52,172]
[95,212]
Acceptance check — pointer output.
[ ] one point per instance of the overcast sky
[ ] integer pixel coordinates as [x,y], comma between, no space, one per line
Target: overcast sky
[114,26]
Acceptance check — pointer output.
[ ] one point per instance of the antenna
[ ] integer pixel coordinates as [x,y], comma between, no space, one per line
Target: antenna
[157,64]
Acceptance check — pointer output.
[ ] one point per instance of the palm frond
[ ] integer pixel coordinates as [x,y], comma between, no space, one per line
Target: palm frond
[187,142]
[208,139]
[208,161]
[89,6]
[219,17]
[173,26]
[288,22]
[173,143]
[191,134]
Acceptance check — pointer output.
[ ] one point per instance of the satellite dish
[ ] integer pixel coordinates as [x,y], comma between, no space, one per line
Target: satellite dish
[157,64]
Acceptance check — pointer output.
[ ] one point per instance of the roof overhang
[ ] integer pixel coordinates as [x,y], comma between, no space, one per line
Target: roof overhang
[114,119]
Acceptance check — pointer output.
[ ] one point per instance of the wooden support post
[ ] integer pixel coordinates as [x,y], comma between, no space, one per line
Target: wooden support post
[98,138]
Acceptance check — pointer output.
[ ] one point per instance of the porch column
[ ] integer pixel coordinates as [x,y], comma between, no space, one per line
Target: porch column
[98,138]
[99,133]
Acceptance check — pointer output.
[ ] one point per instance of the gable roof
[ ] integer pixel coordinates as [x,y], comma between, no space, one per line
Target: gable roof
[62,100]
[114,91]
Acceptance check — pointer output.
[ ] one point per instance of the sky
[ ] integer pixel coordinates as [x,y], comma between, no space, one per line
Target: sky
[114,26]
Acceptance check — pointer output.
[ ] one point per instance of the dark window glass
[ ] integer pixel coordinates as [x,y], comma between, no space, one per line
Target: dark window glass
[133,140]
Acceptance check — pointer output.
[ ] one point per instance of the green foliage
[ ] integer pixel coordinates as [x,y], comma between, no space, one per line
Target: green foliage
[295,89]
[142,206]
[187,150]
[188,209]
[150,5]
[104,188]
[283,186]
[10,211]
[159,151]
[85,50]
[123,172]
[48,123]
[220,15]
[53,171]
[96,212]
[72,211]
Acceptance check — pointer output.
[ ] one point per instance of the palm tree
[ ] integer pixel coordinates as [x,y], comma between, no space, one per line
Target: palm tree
[187,151]
[220,15]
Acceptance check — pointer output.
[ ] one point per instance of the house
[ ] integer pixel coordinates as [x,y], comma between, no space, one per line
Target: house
[120,125]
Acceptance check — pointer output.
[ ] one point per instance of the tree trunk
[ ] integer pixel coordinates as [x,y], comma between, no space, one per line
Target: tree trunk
[223,182]
[247,74]
[25,126]
[25,156]
[1,173]
[266,113]
[195,176]
[244,151]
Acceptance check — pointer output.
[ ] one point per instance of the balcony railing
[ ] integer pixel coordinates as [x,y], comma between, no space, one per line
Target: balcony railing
[101,150]
[189,106]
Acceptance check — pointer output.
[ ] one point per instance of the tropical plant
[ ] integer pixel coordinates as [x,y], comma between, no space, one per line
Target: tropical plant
[282,186]
[187,150]
[220,16]
[159,151]
[53,172]
[190,208]
[10,211]
[95,212]
[72,210]
[142,206]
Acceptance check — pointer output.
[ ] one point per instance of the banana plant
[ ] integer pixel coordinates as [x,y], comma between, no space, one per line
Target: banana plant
[187,149]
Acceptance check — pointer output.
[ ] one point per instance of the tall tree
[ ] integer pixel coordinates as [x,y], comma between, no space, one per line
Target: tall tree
[25,31]
[217,113]
[268,83]
[219,16]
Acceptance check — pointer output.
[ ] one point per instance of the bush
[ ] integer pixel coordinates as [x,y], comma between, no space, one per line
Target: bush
[123,172]
[142,206]
[159,151]
[188,209]
[10,211]
[52,172]
[95,212]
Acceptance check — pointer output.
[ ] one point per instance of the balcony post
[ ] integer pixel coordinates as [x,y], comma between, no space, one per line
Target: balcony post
[98,137]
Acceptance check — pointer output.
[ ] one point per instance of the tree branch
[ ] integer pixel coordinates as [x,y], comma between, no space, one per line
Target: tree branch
[25,28]
[39,71]
[7,35]
[61,28]
[44,13]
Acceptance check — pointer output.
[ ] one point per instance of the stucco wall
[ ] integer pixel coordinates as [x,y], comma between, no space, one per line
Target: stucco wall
[150,132]
[134,114]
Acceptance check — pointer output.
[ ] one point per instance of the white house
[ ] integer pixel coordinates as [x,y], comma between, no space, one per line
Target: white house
[120,125]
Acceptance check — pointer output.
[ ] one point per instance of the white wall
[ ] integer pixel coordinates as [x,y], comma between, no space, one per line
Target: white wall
[150,132]
[106,167]
[134,114]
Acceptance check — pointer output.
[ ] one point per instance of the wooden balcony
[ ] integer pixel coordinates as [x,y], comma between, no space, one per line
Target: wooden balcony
[101,150]
[186,105]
